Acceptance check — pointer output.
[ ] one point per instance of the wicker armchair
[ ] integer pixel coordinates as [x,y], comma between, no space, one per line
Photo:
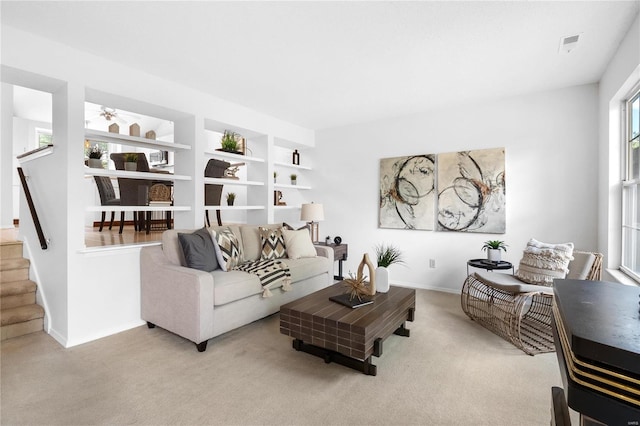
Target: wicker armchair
[518,312]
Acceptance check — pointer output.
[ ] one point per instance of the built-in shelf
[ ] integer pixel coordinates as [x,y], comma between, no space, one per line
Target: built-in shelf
[134,175]
[234,157]
[116,138]
[291,166]
[234,207]
[286,186]
[35,153]
[286,207]
[138,208]
[223,181]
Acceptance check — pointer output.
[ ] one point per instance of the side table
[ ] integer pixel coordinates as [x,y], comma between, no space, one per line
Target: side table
[490,265]
[340,252]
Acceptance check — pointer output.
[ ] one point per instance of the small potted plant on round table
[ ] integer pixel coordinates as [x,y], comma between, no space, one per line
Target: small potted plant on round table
[493,248]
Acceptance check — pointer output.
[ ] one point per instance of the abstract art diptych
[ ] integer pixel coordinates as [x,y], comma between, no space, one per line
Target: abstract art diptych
[466,189]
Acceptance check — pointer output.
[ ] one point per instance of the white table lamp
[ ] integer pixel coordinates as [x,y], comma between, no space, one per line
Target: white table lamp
[312,214]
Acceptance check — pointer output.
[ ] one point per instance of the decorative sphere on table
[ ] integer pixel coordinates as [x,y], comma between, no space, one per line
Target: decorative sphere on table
[337,240]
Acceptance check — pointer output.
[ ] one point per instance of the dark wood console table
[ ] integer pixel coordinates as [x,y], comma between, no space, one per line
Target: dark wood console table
[596,327]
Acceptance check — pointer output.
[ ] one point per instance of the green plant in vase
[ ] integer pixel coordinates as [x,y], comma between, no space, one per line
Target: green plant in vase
[386,255]
[493,248]
[294,178]
[130,161]
[231,198]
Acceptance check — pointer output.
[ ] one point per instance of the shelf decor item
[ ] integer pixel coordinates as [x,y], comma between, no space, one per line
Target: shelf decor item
[114,128]
[134,130]
[150,134]
[232,142]
[275,177]
[231,197]
[386,255]
[131,162]
[296,158]
[294,179]
[493,248]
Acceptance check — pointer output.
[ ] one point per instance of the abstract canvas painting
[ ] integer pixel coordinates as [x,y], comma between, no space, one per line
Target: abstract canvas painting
[407,192]
[471,191]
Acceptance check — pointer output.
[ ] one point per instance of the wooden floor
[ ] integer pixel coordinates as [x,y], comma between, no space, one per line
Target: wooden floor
[93,238]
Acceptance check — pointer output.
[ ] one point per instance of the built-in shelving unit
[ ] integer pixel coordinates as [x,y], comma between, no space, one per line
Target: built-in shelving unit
[224,181]
[116,138]
[134,175]
[291,166]
[234,157]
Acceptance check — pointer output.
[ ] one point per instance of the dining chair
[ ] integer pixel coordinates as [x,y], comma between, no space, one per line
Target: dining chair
[134,192]
[213,192]
[107,198]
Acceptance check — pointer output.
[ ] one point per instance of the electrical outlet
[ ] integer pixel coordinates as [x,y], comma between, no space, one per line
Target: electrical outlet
[432,263]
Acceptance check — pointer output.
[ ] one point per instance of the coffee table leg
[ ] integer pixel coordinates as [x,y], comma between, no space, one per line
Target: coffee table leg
[331,356]
[402,331]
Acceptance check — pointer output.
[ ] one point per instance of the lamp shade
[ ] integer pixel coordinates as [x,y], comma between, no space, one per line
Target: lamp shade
[312,212]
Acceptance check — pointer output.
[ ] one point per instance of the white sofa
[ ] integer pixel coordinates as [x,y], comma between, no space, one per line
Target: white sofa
[199,305]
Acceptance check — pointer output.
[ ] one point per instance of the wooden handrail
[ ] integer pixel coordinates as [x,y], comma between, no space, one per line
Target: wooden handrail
[32,208]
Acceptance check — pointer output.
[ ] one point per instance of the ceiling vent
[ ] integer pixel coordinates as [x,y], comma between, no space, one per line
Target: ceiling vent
[568,43]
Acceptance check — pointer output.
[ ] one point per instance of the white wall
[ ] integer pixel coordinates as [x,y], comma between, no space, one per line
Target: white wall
[551,179]
[622,73]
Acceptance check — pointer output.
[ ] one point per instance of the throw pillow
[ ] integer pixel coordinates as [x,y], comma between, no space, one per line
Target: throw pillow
[272,241]
[227,248]
[298,244]
[285,225]
[541,262]
[199,251]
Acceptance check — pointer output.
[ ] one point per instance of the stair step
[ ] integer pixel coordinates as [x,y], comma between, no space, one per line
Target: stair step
[14,269]
[21,328]
[10,249]
[12,288]
[16,300]
[20,314]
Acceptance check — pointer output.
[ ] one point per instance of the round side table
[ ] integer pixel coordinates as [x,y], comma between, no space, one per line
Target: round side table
[490,265]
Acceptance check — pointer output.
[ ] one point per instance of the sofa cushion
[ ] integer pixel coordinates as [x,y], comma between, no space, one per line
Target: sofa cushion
[236,231]
[298,244]
[251,244]
[234,285]
[307,267]
[541,263]
[285,225]
[272,243]
[227,248]
[509,283]
[199,251]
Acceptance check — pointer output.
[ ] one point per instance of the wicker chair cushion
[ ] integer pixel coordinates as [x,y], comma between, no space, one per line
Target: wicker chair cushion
[580,266]
[541,263]
[509,283]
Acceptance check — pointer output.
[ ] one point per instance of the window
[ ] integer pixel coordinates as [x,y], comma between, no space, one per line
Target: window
[631,189]
[44,137]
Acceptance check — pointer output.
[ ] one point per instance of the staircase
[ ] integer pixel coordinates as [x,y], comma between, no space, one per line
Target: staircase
[19,314]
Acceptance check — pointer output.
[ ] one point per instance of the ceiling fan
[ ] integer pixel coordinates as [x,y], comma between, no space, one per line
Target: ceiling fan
[110,114]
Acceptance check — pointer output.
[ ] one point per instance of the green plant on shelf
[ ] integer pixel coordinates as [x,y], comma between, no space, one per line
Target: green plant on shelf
[494,245]
[228,141]
[95,152]
[130,157]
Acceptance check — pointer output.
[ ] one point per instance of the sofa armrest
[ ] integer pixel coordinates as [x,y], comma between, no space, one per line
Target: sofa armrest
[174,297]
[324,251]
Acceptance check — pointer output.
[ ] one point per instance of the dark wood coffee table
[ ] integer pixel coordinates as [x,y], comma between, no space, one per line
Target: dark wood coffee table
[348,336]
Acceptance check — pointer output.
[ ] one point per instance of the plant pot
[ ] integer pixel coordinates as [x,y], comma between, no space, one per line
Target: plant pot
[95,163]
[382,279]
[230,202]
[132,167]
[294,182]
[494,255]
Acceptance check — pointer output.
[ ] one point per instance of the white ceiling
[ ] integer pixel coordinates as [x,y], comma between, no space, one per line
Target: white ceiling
[326,64]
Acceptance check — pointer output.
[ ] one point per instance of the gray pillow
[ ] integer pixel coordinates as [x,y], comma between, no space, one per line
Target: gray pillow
[199,251]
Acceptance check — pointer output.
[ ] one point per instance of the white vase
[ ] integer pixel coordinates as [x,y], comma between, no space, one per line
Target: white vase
[95,163]
[131,166]
[494,255]
[382,279]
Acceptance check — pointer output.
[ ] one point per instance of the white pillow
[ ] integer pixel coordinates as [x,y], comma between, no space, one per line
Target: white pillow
[298,244]
[542,262]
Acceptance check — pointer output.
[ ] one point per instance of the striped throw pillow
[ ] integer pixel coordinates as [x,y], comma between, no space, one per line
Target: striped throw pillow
[227,248]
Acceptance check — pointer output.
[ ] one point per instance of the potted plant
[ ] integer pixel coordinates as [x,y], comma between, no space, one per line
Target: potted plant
[95,157]
[229,142]
[294,179]
[131,161]
[275,176]
[386,255]
[493,248]
[231,197]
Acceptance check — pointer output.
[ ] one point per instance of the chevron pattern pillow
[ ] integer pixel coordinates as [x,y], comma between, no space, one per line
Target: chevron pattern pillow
[227,248]
[273,246]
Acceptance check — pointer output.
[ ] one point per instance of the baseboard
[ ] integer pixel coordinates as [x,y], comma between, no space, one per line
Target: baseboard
[426,287]
[116,223]
[104,333]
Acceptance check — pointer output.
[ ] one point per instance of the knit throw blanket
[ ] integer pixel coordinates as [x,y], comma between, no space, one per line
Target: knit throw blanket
[270,273]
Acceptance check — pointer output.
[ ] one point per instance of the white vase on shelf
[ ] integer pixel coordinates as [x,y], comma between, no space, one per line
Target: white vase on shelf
[494,255]
[95,163]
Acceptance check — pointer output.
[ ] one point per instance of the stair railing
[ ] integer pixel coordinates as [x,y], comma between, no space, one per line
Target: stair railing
[32,208]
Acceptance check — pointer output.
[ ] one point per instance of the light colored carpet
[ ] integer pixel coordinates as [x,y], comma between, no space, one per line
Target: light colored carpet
[449,372]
